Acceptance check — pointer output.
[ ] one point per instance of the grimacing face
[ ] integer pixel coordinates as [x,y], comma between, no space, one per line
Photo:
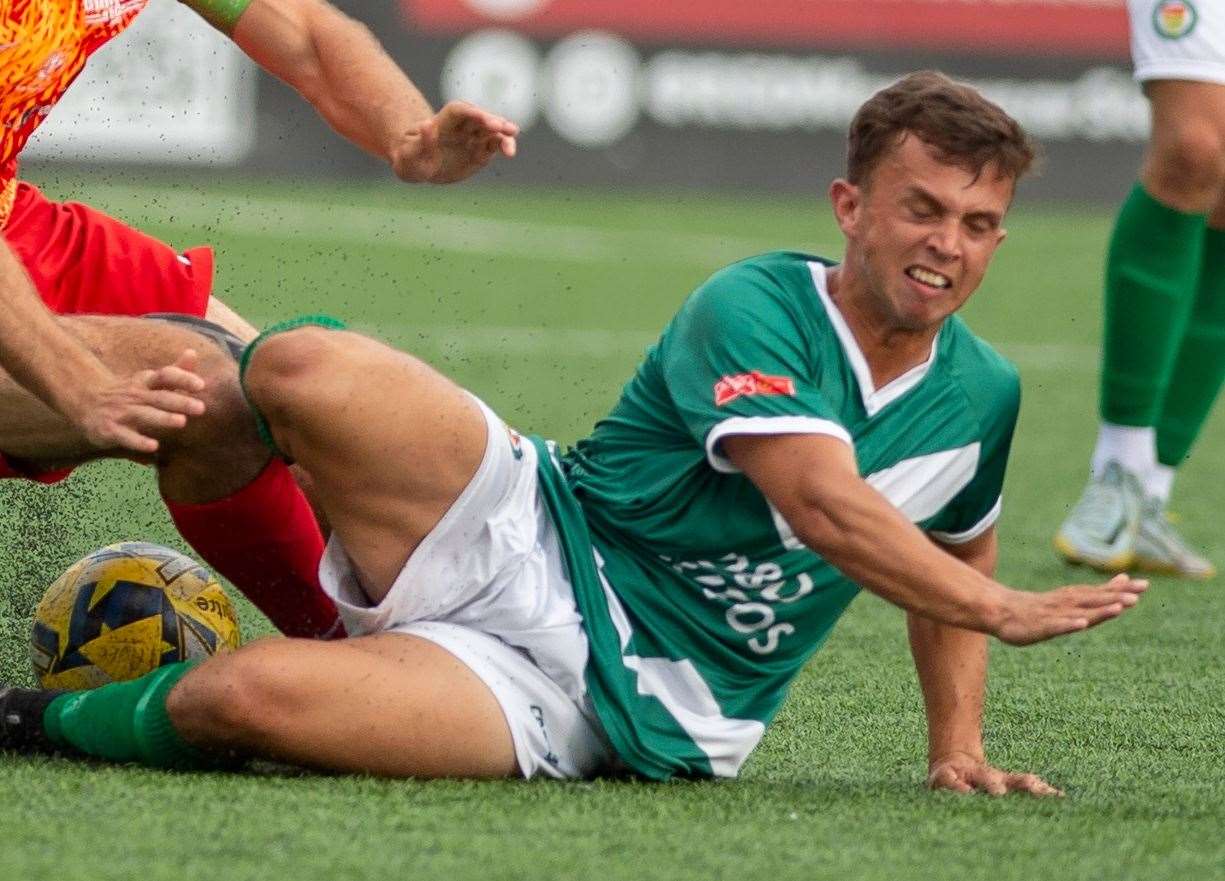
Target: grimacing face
[920,233]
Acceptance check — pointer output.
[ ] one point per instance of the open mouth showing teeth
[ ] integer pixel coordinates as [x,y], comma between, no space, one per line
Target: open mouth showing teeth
[927,277]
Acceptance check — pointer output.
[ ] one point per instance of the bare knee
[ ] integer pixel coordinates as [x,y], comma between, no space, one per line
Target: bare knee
[285,368]
[219,451]
[241,701]
[1185,167]
[227,418]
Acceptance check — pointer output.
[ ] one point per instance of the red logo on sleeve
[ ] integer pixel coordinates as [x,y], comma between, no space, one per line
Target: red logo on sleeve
[743,385]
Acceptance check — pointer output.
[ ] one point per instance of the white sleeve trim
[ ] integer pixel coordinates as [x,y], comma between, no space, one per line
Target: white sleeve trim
[767,425]
[960,538]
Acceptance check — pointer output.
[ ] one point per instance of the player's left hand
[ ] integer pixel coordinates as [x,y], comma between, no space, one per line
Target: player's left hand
[962,772]
[455,143]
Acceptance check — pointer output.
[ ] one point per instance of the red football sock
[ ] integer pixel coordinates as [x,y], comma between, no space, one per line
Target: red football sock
[265,540]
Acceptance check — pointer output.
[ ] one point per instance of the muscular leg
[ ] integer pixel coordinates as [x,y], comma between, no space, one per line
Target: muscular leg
[221,314]
[240,512]
[390,704]
[211,457]
[1156,250]
[1184,167]
[1158,253]
[389,442]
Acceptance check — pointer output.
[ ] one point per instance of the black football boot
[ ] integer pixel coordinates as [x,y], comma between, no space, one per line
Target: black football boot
[21,719]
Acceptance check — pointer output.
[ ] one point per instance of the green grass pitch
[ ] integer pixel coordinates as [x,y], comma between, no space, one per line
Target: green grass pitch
[542,303]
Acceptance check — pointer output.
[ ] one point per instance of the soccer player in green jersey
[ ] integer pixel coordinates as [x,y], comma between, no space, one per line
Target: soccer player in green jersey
[801,430]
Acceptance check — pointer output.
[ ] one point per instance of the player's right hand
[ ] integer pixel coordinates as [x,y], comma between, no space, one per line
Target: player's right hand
[452,145]
[1034,617]
[131,412]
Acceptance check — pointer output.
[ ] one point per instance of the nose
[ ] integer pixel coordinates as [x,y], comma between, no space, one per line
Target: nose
[945,240]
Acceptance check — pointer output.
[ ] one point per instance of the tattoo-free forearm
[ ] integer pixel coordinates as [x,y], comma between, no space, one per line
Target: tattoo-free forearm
[35,350]
[337,65]
[814,483]
[951,664]
[856,529]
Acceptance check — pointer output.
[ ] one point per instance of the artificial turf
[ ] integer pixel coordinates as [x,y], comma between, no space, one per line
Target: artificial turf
[541,302]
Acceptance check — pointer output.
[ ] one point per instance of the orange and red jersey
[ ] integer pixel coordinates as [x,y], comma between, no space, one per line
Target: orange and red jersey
[43,46]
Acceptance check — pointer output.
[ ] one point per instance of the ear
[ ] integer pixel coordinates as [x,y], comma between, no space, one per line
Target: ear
[847,201]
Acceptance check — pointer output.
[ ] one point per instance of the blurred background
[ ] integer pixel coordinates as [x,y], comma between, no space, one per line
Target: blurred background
[641,94]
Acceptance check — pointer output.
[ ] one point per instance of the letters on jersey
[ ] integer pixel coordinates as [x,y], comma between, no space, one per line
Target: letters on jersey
[44,44]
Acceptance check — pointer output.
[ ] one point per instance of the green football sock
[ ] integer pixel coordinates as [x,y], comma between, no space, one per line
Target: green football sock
[1199,370]
[1151,273]
[125,722]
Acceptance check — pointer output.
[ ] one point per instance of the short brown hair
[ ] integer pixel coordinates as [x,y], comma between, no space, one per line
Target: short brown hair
[959,123]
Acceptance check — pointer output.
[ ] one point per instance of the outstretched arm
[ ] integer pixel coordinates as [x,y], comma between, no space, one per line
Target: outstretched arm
[952,667]
[337,65]
[813,482]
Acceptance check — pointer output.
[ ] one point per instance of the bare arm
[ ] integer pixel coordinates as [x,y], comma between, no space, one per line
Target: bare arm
[951,663]
[111,412]
[337,65]
[38,353]
[813,482]
[952,668]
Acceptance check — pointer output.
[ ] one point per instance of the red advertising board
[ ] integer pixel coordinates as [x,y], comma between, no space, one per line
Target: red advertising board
[1086,28]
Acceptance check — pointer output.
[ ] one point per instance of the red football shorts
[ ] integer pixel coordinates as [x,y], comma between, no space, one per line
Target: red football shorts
[82,261]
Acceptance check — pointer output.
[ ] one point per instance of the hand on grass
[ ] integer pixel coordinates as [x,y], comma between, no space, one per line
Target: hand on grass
[1034,617]
[964,773]
[130,412]
[455,143]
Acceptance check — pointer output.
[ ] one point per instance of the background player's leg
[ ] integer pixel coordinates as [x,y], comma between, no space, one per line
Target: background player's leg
[1152,272]
[1156,253]
[389,442]
[1199,370]
[388,704]
[1195,382]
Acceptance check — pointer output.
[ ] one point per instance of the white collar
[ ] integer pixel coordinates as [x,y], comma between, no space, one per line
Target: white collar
[874,399]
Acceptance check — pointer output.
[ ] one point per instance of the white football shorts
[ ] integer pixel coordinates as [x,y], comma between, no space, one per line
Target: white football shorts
[1178,40]
[489,585]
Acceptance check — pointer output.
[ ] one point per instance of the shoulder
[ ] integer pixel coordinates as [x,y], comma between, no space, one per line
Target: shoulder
[775,270]
[989,380]
[778,282]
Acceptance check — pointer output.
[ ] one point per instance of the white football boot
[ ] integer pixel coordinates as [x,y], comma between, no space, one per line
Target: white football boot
[1159,548]
[1101,530]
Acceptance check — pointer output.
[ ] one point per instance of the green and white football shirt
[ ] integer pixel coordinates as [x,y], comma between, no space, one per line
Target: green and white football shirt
[700,603]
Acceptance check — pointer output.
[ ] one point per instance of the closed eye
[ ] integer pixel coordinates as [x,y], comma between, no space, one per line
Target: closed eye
[981,224]
[923,209]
